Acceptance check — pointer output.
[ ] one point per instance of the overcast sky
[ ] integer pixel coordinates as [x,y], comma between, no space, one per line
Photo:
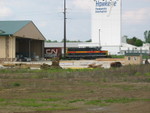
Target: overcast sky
[48,17]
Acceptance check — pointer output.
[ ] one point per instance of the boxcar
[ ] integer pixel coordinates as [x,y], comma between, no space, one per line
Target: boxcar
[52,52]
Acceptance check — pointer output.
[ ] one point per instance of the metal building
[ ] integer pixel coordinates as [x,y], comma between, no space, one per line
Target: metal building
[20,40]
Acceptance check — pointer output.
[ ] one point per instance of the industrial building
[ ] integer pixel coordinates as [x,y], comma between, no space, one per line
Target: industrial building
[127,48]
[106,24]
[20,40]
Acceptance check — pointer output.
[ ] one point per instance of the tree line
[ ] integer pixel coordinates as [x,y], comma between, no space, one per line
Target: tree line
[55,41]
[138,42]
[133,41]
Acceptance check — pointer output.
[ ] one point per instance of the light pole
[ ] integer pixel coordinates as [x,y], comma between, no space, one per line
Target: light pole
[99,38]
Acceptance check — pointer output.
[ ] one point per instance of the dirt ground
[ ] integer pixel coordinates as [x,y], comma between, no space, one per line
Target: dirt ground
[117,108]
[26,93]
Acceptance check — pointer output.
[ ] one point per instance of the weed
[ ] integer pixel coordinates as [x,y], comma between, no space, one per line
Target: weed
[2,100]
[121,100]
[90,91]
[57,108]
[27,100]
[147,74]
[16,84]
[31,104]
[124,87]
[109,101]
[52,99]
[76,100]
[96,102]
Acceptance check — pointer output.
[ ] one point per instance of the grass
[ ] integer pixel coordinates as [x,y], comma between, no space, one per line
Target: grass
[69,89]
[138,70]
[31,104]
[117,56]
[124,87]
[58,108]
[52,99]
[110,101]
[76,100]
[50,104]
[2,100]
[147,74]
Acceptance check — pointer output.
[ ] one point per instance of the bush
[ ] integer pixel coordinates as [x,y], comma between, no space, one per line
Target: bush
[16,84]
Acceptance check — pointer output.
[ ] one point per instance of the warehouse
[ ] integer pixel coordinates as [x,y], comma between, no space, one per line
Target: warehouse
[20,40]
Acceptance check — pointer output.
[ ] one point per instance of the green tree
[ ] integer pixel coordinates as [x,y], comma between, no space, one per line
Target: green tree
[88,40]
[147,36]
[50,41]
[138,43]
[135,41]
[130,41]
[71,40]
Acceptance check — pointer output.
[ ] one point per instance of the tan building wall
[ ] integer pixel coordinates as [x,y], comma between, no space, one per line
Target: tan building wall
[12,47]
[2,47]
[7,48]
[133,60]
[31,31]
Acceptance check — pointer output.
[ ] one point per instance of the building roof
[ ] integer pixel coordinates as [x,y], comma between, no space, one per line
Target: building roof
[20,29]
[61,45]
[11,27]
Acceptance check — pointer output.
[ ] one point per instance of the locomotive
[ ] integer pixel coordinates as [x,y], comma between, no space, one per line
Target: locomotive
[86,53]
[76,53]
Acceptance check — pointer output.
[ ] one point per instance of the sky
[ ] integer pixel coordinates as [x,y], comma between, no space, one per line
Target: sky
[47,15]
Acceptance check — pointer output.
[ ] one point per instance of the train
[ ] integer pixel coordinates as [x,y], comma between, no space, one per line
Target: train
[85,53]
[76,53]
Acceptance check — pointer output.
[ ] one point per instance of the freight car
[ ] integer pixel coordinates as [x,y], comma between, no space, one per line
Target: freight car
[86,53]
[52,52]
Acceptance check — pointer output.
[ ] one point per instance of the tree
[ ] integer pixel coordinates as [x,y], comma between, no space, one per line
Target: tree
[88,40]
[130,41]
[135,41]
[138,43]
[71,40]
[147,36]
[50,41]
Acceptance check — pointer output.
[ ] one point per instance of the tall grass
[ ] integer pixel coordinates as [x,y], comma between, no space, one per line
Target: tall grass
[105,75]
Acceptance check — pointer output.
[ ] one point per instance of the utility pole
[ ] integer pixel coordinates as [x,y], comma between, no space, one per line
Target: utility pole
[65,28]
